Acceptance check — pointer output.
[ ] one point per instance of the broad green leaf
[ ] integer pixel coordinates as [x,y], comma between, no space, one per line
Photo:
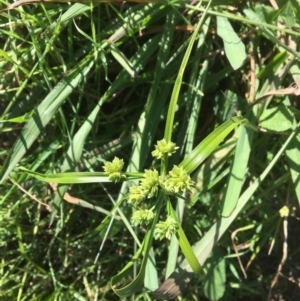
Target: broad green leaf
[209,144]
[295,72]
[238,170]
[278,119]
[288,14]
[293,151]
[234,47]
[214,283]
[151,280]
[293,156]
[296,6]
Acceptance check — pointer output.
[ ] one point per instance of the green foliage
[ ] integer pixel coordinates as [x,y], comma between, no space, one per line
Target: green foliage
[207,88]
[214,284]
[233,46]
[278,119]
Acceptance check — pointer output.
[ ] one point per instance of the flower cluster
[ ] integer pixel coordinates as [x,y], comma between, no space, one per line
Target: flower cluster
[164,148]
[142,217]
[178,180]
[150,183]
[166,229]
[148,188]
[113,169]
[136,195]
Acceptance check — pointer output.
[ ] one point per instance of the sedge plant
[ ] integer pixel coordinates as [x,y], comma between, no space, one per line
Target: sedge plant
[151,198]
[148,203]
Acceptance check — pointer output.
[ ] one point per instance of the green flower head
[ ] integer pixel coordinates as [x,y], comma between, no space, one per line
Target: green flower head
[166,229]
[136,195]
[164,148]
[142,217]
[113,169]
[178,180]
[150,183]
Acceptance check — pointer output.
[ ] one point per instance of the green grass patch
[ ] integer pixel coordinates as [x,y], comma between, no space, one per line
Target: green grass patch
[213,216]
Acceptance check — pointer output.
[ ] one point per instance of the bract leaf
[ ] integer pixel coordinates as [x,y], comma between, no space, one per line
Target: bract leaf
[209,144]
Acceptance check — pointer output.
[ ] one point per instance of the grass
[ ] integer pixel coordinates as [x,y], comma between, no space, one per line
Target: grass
[84,82]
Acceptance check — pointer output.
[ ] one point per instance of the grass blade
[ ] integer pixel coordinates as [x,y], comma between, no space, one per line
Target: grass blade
[209,144]
[43,114]
[174,285]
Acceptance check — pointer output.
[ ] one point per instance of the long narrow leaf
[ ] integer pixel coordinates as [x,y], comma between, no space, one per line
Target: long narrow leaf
[238,170]
[186,247]
[175,284]
[43,114]
[178,82]
[136,284]
[209,144]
